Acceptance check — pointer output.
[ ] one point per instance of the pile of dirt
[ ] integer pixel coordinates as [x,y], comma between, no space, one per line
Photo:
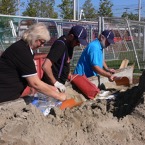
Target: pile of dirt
[111,122]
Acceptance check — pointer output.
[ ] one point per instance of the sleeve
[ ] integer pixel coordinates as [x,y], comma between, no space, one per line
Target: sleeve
[22,59]
[56,52]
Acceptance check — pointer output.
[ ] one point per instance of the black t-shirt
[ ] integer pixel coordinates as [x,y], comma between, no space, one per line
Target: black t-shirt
[56,54]
[16,63]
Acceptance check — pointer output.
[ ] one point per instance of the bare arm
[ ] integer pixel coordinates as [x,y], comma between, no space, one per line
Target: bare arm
[47,69]
[105,65]
[108,69]
[100,71]
[44,88]
[104,73]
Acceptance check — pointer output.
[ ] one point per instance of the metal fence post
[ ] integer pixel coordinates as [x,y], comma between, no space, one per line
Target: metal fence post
[133,44]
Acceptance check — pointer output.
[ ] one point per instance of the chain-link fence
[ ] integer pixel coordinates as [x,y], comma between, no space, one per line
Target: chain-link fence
[130,41]
[129,36]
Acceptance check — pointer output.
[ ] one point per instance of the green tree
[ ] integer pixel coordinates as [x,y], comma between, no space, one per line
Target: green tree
[8,7]
[105,8]
[66,8]
[89,10]
[130,16]
[32,9]
[41,8]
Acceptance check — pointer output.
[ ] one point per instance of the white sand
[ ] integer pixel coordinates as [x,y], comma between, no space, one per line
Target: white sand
[93,123]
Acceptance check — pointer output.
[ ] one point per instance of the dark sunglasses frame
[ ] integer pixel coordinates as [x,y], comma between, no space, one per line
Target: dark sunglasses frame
[42,41]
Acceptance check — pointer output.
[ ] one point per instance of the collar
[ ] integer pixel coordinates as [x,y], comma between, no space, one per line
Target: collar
[28,46]
[31,51]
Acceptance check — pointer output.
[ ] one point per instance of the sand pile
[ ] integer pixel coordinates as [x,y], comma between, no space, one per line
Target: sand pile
[103,122]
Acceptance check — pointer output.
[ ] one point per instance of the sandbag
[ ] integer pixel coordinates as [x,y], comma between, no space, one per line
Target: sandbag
[89,89]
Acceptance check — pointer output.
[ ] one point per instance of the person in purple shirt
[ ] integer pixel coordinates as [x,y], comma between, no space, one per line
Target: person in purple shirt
[57,64]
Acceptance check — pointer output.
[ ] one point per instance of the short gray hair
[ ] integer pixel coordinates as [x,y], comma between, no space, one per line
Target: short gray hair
[35,32]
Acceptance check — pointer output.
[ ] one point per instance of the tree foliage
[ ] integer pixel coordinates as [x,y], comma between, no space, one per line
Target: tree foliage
[66,8]
[8,7]
[41,8]
[105,8]
[130,16]
[89,10]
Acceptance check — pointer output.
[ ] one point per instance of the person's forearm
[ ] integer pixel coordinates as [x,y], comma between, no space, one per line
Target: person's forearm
[51,77]
[49,91]
[105,66]
[102,72]
[44,88]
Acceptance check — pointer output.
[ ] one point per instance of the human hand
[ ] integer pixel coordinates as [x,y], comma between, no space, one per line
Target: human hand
[112,78]
[62,96]
[60,86]
[111,70]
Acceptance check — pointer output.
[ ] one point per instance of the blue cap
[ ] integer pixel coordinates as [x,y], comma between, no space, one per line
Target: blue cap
[109,36]
[80,33]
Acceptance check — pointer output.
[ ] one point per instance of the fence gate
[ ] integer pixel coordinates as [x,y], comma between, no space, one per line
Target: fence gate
[129,41]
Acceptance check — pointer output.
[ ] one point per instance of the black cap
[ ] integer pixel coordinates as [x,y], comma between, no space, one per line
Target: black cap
[80,33]
[109,36]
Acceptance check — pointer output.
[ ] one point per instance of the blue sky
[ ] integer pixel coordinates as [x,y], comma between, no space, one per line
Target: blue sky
[119,6]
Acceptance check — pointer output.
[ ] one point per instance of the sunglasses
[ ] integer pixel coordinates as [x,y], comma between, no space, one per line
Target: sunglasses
[42,42]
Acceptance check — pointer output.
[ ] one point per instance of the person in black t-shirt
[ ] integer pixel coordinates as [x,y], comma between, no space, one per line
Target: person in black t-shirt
[57,64]
[17,68]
